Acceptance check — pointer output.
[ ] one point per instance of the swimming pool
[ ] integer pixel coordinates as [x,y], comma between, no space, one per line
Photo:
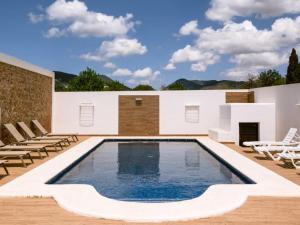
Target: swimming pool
[150,171]
[85,200]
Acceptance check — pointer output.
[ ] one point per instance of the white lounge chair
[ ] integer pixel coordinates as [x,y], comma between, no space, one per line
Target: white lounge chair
[291,156]
[289,139]
[274,152]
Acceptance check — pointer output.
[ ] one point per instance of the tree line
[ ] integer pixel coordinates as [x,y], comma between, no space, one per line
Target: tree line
[90,80]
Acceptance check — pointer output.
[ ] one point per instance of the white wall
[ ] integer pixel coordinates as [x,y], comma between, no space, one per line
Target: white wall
[225,117]
[172,111]
[66,112]
[263,113]
[231,115]
[286,98]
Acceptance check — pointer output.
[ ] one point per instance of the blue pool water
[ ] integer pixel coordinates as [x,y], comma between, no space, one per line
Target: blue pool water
[150,171]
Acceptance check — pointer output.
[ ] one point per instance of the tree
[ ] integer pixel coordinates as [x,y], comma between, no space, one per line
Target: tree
[269,78]
[293,70]
[176,86]
[143,87]
[251,82]
[59,86]
[115,86]
[163,87]
[87,80]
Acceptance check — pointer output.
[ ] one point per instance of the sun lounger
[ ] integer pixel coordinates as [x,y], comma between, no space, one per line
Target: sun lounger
[289,139]
[14,154]
[22,141]
[291,156]
[44,132]
[32,136]
[2,163]
[32,148]
[273,151]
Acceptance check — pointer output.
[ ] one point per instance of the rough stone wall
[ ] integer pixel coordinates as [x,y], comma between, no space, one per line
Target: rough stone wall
[24,95]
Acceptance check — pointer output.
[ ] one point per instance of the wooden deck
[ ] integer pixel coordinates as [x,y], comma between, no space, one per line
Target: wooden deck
[285,170]
[15,167]
[257,210]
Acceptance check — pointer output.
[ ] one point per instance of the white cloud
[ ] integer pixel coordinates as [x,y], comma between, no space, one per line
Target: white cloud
[253,62]
[186,54]
[54,32]
[63,11]
[189,28]
[225,10]
[247,46]
[36,18]
[110,65]
[259,60]
[132,81]
[238,73]
[101,25]
[145,74]
[137,82]
[75,18]
[116,48]
[192,54]
[122,47]
[122,72]
[170,66]
[244,37]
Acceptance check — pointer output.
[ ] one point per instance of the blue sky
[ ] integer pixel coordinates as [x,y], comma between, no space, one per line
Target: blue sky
[153,41]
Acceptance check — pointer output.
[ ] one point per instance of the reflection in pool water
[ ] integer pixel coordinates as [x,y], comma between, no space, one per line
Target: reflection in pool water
[150,171]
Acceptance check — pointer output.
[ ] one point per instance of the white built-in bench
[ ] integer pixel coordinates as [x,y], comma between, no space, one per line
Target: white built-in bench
[220,135]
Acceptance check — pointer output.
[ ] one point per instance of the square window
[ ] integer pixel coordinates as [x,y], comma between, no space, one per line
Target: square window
[86,115]
[192,113]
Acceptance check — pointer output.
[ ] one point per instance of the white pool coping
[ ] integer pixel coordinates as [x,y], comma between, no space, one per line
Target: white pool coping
[85,200]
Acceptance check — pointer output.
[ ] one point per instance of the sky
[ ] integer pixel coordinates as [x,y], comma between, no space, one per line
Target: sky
[153,41]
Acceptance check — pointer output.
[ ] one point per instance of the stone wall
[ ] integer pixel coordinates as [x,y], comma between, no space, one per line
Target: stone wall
[24,95]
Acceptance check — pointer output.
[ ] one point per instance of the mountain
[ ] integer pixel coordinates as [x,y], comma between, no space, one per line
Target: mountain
[208,84]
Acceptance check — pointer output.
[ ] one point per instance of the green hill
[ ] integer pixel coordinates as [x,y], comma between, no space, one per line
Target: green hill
[208,84]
